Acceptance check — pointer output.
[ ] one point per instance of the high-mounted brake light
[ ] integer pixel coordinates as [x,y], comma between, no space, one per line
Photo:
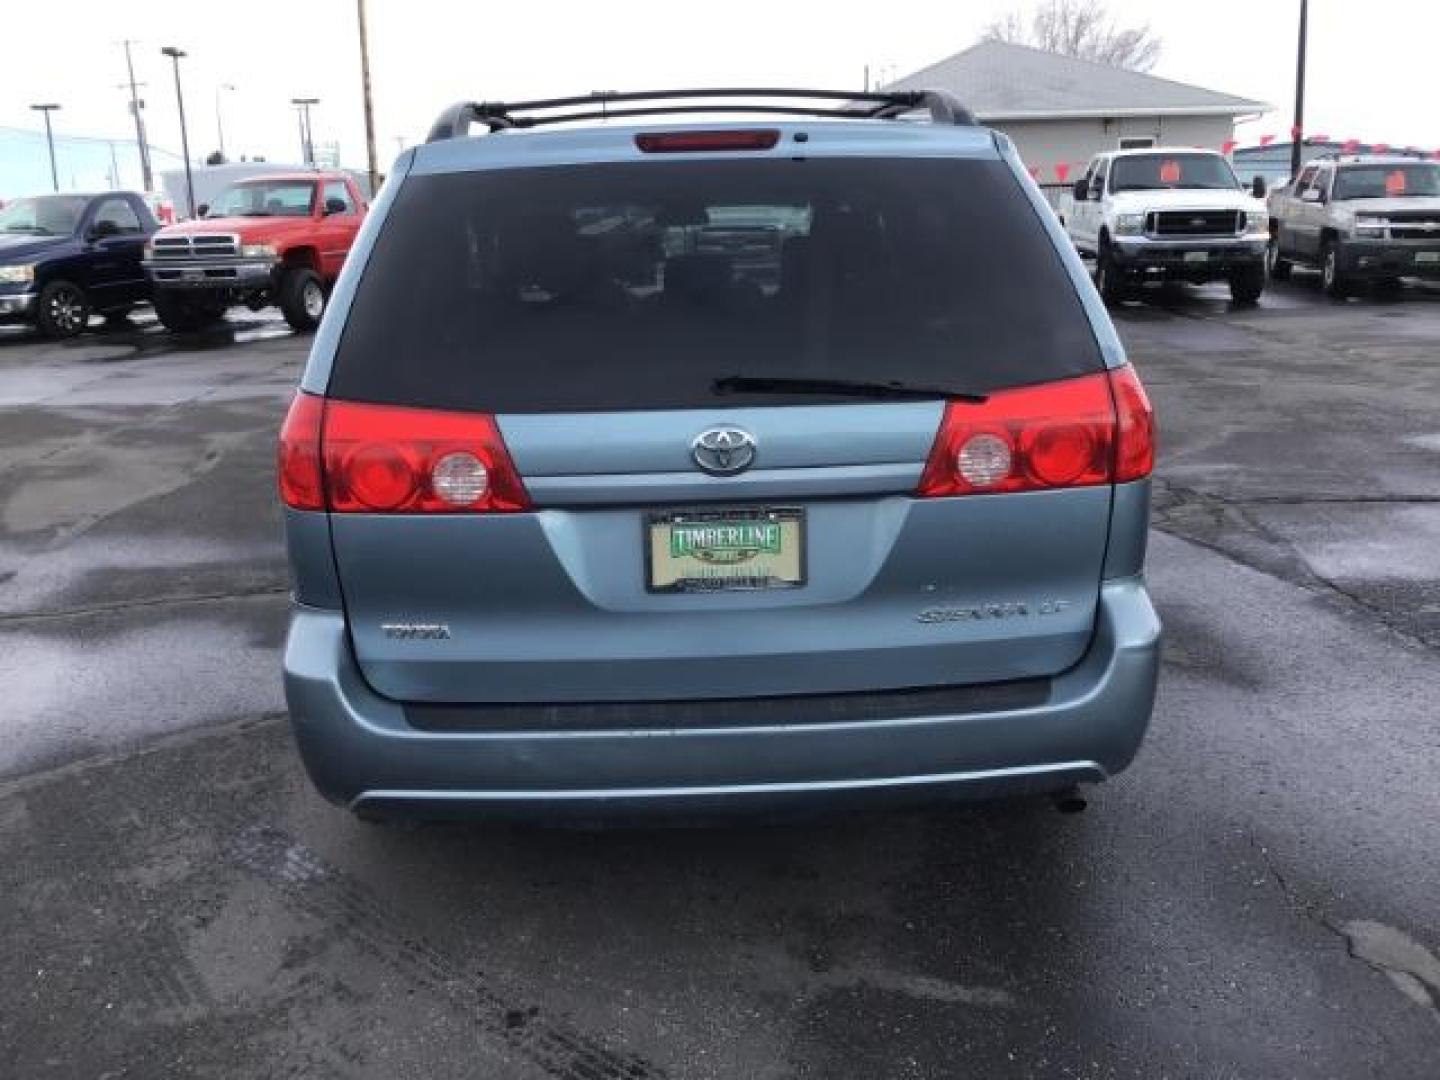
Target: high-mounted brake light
[1095,429]
[349,457]
[690,142]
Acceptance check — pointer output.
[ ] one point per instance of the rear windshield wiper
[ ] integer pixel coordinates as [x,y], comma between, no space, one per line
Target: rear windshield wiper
[745,384]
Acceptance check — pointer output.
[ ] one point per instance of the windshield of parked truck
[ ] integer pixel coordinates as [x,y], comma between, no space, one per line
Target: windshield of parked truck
[1387,181]
[46,215]
[264,198]
[1145,172]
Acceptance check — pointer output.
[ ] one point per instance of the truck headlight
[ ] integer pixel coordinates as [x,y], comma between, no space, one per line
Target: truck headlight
[22,274]
[1257,221]
[1129,224]
[1372,227]
[257,251]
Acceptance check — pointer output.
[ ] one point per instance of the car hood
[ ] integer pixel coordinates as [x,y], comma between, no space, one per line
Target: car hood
[1425,203]
[1185,199]
[16,247]
[249,229]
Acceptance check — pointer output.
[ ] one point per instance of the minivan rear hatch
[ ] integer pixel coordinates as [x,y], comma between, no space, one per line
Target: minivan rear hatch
[718,379]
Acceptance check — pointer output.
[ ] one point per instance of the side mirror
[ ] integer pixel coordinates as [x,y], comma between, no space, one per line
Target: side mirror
[1310,195]
[1257,187]
[202,209]
[336,206]
[1082,186]
[102,229]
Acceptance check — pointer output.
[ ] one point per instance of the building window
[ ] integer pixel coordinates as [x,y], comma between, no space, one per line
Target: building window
[1137,143]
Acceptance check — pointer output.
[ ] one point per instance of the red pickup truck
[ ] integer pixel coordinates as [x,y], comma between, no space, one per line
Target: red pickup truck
[277,239]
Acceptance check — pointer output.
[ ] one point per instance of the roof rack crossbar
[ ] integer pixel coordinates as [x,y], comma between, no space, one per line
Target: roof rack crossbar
[455,122]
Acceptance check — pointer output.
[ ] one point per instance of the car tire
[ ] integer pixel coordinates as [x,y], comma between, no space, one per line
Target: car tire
[63,310]
[1335,284]
[1247,285]
[181,314]
[302,298]
[1277,267]
[1108,279]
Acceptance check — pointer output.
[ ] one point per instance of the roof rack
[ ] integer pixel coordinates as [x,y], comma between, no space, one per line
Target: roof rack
[454,122]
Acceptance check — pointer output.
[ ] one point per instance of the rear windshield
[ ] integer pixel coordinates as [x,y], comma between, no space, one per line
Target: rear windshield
[636,286]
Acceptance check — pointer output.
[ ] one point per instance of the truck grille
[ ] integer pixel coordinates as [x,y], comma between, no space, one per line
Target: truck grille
[1195,222]
[197,246]
[1414,225]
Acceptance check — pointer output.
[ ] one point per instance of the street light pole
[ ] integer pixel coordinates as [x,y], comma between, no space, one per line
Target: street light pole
[1297,129]
[369,104]
[135,106]
[307,142]
[175,55]
[219,120]
[47,109]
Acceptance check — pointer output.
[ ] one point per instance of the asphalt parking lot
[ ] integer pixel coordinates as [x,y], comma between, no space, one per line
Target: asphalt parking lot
[1259,897]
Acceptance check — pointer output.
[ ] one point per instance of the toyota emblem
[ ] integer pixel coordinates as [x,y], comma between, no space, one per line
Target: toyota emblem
[723,451]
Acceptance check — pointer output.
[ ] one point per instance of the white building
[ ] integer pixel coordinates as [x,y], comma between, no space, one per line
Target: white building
[1061,111]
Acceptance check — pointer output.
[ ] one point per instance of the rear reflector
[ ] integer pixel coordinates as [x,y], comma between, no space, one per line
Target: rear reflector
[690,142]
[378,459]
[1096,429]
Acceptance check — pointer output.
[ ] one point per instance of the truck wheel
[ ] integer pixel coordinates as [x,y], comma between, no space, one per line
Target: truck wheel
[63,310]
[182,314]
[1332,281]
[1108,278]
[302,298]
[1278,268]
[1247,285]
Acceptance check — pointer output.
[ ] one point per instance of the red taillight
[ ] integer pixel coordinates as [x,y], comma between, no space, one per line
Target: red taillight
[354,458]
[683,142]
[302,485]
[1075,433]
[1135,452]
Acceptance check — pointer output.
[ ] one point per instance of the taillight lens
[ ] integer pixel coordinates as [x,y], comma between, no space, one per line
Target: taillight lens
[1135,454]
[1095,429]
[380,459]
[302,485]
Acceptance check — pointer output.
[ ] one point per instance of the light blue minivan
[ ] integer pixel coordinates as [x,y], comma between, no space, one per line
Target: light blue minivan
[706,450]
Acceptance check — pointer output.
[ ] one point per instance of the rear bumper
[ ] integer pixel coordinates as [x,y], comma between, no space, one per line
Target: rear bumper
[361,752]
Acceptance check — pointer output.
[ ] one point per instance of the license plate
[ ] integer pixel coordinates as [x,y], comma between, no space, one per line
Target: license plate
[1197,256]
[1430,257]
[192,275]
[723,550]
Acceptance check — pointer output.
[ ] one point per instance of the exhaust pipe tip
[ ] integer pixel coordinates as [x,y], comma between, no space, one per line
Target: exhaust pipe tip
[1070,800]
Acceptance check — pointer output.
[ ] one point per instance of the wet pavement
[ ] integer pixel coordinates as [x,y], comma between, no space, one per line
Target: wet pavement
[1259,896]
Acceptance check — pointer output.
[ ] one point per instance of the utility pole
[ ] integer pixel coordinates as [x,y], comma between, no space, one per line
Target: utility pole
[135,106]
[219,120]
[47,109]
[369,103]
[1297,129]
[307,141]
[175,55]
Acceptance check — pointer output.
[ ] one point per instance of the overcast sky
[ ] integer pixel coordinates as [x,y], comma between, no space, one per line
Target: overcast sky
[1371,65]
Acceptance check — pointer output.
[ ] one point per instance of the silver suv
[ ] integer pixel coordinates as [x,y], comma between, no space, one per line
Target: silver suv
[677,466]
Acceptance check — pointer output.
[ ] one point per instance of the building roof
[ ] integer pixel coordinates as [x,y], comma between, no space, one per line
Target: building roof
[1000,81]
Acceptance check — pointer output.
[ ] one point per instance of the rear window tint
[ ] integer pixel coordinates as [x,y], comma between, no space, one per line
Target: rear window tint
[636,286]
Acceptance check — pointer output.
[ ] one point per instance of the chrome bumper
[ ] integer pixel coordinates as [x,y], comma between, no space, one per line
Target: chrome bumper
[17,305]
[211,273]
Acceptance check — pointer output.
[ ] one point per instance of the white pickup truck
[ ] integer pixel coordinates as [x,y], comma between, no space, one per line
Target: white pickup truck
[1168,215]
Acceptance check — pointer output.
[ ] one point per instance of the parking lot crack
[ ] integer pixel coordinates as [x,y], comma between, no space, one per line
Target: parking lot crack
[23,617]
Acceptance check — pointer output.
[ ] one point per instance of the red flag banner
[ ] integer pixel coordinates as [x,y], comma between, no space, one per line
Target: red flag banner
[1350,146]
[1034,171]
[1319,138]
[1295,132]
[1381,148]
[1228,147]
[1062,170]
[1266,140]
